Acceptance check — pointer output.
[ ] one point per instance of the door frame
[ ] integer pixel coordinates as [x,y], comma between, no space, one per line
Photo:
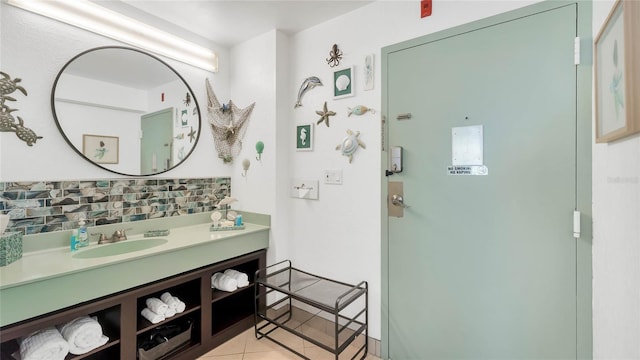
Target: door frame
[584,317]
[171,119]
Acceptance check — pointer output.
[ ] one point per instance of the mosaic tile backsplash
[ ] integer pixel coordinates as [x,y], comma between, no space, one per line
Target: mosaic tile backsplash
[40,207]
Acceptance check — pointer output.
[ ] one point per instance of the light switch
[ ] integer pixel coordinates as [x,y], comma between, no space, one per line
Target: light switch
[333,176]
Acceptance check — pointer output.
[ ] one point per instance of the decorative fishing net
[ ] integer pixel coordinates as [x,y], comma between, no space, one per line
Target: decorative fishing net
[228,125]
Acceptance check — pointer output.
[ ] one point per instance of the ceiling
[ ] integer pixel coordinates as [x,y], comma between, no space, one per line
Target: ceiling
[141,71]
[230,22]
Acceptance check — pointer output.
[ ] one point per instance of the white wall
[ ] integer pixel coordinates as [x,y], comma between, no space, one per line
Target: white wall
[338,235]
[616,239]
[35,48]
[92,92]
[255,77]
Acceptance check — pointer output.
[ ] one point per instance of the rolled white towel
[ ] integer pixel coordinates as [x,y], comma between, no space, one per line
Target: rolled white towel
[170,312]
[240,277]
[157,306]
[83,335]
[151,316]
[45,344]
[237,275]
[224,282]
[180,306]
[168,299]
[173,302]
[242,283]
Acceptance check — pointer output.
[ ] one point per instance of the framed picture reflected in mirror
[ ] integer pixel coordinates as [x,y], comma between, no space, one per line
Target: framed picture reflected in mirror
[101,149]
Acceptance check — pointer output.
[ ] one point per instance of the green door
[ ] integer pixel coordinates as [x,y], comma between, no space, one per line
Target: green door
[156,143]
[484,266]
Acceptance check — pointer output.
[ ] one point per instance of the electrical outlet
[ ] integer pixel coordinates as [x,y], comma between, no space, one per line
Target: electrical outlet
[333,176]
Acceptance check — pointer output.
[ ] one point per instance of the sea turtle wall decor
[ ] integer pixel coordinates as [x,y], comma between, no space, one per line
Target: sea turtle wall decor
[8,122]
[25,134]
[350,144]
[8,86]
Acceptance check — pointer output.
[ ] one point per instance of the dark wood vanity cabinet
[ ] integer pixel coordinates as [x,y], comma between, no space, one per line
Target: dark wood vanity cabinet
[215,316]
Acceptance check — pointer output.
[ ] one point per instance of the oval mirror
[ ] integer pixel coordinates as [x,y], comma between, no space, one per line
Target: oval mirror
[126,111]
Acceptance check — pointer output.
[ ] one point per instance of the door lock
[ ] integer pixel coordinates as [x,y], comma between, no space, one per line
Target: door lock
[396,159]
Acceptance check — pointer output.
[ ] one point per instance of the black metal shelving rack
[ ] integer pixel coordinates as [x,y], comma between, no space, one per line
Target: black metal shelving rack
[282,284]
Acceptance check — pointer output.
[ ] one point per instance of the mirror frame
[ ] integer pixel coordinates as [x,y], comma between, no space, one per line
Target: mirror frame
[79,151]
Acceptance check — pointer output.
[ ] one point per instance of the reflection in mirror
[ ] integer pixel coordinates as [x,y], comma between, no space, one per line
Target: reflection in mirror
[126,111]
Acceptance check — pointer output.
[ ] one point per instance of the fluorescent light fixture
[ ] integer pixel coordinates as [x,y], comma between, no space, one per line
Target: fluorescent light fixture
[89,16]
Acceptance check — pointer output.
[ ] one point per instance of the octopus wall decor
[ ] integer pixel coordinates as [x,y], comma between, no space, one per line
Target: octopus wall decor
[335,55]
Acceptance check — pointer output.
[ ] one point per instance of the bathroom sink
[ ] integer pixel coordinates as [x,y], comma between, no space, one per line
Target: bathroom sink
[119,248]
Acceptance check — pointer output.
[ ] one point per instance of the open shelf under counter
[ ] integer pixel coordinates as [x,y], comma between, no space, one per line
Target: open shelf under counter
[216,316]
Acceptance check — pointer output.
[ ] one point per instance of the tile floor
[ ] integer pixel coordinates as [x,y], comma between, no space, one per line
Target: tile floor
[246,347]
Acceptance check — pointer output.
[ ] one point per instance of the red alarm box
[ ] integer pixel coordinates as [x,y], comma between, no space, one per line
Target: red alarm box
[425,8]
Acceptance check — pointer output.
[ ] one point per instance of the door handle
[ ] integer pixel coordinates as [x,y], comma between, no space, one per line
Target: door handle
[398,200]
[395,202]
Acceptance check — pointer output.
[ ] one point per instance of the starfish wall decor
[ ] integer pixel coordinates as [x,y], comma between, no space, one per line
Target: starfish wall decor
[192,135]
[228,125]
[324,114]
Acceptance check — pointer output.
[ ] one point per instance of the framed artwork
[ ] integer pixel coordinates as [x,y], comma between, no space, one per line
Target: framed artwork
[184,118]
[304,137]
[617,73]
[369,71]
[343,83]
[100,149]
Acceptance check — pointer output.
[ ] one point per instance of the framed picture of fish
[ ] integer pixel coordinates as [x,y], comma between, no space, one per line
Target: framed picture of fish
[343,83]
[617,73]
[304,137]
[100,149]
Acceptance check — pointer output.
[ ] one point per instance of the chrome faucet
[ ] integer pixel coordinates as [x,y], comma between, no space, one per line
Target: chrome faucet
[117,235]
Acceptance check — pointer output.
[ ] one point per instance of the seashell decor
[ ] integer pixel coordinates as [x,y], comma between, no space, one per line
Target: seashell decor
[342,82]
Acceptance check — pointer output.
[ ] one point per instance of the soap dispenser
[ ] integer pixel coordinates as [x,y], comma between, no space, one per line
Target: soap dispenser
[83,236]
[74,240]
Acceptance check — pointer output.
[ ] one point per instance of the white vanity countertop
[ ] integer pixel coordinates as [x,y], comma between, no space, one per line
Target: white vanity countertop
[45,264]
[51,278]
